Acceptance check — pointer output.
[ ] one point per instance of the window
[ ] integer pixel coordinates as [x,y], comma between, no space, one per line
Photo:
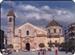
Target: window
[27,32]
[59,30]
[54,30]
[55,41]
[19,30]
[10,19]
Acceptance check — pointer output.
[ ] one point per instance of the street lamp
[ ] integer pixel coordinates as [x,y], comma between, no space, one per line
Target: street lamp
[5,42]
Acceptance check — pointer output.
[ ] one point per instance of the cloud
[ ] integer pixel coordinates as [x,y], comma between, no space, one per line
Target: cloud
[44,12]
[66,16]
[27,8]
[45,7]
[30,7]
[26,12]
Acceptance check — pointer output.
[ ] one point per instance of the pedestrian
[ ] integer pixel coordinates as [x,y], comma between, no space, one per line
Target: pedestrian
[38,52]
[56,51]
[43,52]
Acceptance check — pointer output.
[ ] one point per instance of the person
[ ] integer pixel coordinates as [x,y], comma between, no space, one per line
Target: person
[39,53]
[44,52]
[56,51]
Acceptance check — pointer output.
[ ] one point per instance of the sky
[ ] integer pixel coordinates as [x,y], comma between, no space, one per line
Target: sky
[39,13]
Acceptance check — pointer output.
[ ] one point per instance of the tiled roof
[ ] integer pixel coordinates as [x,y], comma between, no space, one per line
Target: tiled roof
[53,23]
[11,13]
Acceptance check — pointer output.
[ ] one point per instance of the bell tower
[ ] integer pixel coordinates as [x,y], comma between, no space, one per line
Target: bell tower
[11,26]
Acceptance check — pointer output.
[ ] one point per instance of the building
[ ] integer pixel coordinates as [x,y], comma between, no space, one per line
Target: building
[29,36]
[71,31]
[11,26]
[55,32]
[1,39]
[70,37]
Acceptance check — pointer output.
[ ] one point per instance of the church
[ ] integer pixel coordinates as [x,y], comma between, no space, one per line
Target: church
[30,36]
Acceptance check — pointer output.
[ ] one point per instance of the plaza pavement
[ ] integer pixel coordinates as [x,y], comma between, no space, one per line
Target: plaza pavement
[36,53]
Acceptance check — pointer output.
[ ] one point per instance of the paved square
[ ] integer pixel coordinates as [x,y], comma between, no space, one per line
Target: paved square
[36,53]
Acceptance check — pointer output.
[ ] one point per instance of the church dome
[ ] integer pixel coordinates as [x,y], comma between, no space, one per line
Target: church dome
[53,23]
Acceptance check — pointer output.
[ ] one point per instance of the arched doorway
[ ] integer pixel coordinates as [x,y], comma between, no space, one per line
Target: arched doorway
[28,46]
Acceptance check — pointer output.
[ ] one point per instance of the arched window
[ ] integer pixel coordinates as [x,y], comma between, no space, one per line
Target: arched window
[10,19]
[54,30]
[19,30]
[27,32]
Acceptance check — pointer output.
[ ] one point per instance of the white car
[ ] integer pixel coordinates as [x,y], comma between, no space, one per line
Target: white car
[74,53]
[1,53]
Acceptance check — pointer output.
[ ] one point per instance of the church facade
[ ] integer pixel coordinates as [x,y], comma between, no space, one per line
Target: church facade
[29,35]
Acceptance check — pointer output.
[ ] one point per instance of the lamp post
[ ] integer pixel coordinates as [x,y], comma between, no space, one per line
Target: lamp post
[5,42]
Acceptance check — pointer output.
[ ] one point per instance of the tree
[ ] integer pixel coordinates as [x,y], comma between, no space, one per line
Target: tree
[10,46]
[56,44]
[70,45]
[50,44]
[41,45]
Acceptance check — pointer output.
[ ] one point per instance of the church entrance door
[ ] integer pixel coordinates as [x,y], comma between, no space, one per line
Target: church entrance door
[28,46]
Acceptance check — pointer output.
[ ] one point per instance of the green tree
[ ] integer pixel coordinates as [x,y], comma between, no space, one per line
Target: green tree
[10,46]
[56,44]
[41,45]
[50,44]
